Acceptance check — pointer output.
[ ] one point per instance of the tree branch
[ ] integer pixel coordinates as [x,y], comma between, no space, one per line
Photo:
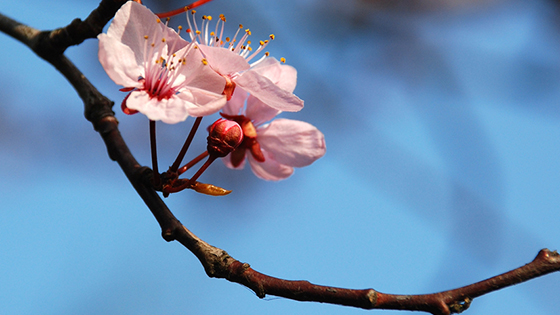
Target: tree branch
[217,263]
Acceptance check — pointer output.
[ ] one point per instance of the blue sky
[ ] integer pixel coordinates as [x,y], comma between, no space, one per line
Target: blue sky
[442,169]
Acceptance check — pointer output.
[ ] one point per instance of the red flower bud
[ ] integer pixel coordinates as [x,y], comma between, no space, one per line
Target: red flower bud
[224,136]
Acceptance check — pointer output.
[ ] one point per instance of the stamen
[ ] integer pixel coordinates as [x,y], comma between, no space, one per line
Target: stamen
[216,31]
[194,22]
[215,38]
[234,38]
[181,62]
[242,40]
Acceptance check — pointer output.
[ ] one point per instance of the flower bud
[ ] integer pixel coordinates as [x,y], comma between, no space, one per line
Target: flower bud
[224,136]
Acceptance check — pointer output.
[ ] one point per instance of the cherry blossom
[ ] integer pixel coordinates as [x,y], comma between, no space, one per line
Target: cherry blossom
[230,58]
[273,149]
[167,78]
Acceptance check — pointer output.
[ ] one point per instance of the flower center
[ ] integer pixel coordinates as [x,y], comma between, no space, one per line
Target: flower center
[162,66]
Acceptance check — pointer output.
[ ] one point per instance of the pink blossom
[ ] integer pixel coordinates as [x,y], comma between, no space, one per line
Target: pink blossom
[165,75]
[230,58]
[274,149]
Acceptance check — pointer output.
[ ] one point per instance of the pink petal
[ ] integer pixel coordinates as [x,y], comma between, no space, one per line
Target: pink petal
[119,62]
[169,111]
[132,22]
[223,60]
[174,41]
[200,102]
[284,76]
[237,102]
[292,142]
[259,112]
[198,74]
[269,93]
[270,169]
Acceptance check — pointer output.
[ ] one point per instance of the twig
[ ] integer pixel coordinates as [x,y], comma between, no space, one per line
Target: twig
[218,263]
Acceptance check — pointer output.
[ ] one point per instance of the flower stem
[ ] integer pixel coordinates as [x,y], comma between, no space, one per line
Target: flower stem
[197,159]
[190,137]
[157,180]
[202,169]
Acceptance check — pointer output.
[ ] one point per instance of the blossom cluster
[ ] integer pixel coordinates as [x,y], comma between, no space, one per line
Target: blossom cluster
[169,78]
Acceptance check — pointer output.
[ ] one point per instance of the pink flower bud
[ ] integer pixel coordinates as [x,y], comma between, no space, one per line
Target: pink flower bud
[224,136]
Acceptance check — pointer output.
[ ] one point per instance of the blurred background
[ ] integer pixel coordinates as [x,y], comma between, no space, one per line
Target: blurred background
[442,124]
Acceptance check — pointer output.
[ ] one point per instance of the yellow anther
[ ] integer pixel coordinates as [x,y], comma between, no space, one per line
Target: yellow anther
[163,40]
[250,48]
[193,12]
[153,45]
[212,34]
[267,53]
[227,39]
[204,61]
[283,60]
[248,42]
[240,25]
[222,17]
[248,32]
[209,18]
[180,27]
[197,32]
[158,21]
[145,36]
[261,43]
[271,36]
[266,41]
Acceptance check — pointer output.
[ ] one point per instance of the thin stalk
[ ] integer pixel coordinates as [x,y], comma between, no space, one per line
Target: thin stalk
[153,145]
[192,163]
[201,170]
[181,155]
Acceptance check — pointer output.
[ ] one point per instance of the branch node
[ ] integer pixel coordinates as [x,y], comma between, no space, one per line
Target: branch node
[168,234]
[372,297]
[547,255]
[460,306]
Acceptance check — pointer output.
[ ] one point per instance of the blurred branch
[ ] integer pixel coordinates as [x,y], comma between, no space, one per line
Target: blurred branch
[50,45]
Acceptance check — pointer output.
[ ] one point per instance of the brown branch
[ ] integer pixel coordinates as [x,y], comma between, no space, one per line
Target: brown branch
[217,263]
